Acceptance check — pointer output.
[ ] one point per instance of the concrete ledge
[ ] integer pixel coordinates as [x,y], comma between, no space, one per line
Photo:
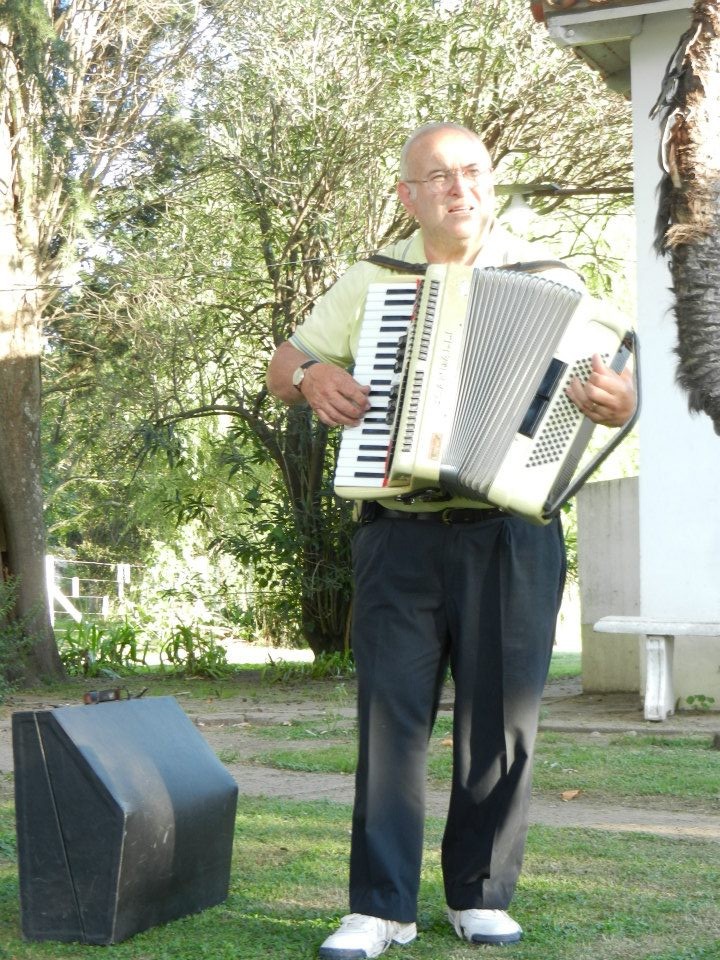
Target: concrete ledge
[650,625]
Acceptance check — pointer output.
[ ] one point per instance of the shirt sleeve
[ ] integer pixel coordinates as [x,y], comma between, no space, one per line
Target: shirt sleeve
[331,332]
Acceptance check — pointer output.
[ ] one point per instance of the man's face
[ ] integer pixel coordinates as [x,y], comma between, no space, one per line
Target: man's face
[455,215]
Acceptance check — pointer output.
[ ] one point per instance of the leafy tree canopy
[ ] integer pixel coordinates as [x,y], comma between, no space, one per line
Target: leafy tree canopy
[268,171]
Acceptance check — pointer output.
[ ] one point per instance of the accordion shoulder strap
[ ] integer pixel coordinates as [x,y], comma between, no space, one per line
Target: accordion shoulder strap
[535,266]
[401,266]
[527,266]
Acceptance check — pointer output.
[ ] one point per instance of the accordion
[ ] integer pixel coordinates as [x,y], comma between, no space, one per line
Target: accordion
[467,370]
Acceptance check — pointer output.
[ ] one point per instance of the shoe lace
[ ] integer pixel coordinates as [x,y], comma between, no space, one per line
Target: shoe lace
[358,921]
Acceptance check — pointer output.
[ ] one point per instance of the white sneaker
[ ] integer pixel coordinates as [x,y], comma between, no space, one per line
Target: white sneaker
[360,936]
[485,926]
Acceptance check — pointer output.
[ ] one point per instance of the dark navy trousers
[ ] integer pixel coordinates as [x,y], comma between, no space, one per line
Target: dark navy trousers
[482,598]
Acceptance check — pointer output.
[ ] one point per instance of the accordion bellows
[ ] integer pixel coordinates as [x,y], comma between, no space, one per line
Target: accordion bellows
[467,369]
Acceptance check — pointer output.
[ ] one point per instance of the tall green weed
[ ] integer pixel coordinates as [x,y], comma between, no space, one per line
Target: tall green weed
[90,649]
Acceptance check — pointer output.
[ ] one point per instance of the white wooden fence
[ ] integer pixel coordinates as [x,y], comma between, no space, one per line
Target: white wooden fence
[82,597]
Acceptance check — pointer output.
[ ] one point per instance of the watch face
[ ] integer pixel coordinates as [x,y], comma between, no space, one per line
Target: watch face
[299,374]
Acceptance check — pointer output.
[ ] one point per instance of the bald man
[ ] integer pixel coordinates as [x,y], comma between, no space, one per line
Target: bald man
[453,583]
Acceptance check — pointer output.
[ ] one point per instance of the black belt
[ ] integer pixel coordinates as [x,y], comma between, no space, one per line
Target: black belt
[449,515]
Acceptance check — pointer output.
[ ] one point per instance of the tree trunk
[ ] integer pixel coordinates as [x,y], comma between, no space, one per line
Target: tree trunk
[326,594]
[324,536]
[21,498]
[22,508]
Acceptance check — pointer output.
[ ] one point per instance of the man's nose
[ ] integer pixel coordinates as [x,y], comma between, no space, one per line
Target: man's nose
[458,182]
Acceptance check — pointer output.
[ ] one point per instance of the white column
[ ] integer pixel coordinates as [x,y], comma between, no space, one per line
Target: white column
[679,485]
[679,499]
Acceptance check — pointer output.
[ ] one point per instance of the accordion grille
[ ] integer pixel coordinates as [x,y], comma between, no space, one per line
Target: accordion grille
[515,323]
[552,443]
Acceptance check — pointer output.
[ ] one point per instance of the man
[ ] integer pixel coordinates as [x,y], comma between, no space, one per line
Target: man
[467,586]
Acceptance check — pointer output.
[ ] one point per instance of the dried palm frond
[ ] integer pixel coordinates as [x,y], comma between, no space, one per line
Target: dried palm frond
[688,223]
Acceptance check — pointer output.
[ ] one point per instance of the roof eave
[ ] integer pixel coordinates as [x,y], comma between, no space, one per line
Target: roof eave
[600,33]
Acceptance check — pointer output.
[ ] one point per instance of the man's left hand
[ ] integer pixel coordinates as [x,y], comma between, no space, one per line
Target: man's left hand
[606,397]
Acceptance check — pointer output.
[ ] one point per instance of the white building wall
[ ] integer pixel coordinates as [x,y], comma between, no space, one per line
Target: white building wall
[679,493]
[609,578]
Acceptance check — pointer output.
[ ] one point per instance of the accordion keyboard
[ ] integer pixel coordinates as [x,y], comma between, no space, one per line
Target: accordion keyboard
[364,449]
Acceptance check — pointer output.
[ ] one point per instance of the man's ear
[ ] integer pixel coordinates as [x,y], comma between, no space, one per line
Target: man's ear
[406,197]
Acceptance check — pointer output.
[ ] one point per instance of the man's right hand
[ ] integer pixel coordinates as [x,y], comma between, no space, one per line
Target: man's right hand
[335,397]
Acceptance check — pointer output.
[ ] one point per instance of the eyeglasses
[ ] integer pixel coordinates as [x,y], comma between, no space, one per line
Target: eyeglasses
[441,180]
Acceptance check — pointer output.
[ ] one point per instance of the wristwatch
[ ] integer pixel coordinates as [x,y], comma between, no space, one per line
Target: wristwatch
[299,374]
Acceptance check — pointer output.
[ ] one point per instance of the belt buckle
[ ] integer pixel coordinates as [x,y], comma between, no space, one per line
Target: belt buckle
[447,516]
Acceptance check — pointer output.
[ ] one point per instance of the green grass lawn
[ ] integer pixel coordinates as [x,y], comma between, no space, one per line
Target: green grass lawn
[564,665]
[667,770]
[584,895]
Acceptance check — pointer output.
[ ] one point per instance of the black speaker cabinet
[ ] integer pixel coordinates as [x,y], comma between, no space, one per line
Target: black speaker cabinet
[125,819]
